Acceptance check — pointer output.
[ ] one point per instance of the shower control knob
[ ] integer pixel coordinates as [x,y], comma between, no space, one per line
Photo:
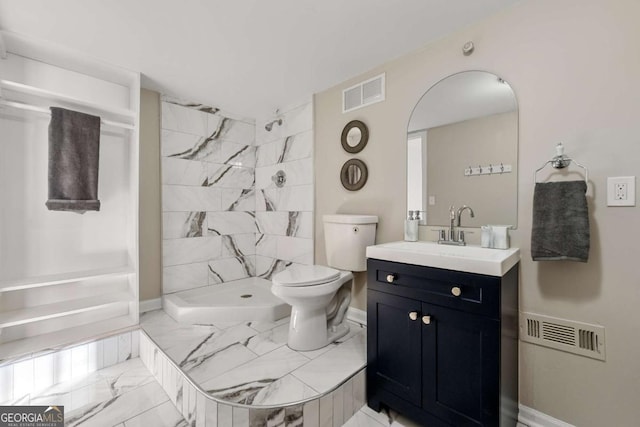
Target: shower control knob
[456,291]
[413,315]
[426,320]
[391,278]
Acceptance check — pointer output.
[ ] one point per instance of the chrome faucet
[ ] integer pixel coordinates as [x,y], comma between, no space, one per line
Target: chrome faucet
[459,212]
[452,237]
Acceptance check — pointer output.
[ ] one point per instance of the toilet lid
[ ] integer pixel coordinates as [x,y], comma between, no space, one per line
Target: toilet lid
[306,275]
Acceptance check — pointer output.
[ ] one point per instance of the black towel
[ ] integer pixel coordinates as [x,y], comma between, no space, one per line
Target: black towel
[74,150]
[560,222]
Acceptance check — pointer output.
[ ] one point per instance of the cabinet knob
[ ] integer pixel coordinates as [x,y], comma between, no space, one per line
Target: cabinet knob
[413,315]
[426,320]
[391,278]
[456,291]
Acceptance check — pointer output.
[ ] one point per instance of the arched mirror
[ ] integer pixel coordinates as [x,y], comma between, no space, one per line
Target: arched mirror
[355,136]
[462,149]
[354,174]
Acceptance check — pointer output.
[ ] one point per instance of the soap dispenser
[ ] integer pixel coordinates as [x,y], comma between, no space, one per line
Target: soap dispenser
[411,226]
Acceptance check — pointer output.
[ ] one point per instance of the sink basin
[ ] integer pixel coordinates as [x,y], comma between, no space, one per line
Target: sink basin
[472,259]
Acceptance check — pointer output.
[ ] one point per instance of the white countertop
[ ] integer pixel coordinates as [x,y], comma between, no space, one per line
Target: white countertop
[472,259]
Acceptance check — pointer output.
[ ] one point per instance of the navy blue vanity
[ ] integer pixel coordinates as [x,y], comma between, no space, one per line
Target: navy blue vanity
[442,345]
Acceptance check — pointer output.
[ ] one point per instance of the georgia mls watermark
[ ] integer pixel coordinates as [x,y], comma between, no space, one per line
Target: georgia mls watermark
[31,416]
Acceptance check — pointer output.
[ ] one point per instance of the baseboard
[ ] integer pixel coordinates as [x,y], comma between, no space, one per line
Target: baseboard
[532,418]
[357,315]
[150,305]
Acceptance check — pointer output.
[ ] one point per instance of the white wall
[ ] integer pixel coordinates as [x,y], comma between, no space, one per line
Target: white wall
[574,67]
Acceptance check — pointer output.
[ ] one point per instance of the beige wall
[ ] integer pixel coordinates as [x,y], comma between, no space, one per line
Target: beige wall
[454,147]
[574,66]
[150,220]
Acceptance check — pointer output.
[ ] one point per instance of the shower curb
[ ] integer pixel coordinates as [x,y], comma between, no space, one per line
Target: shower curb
[334,407]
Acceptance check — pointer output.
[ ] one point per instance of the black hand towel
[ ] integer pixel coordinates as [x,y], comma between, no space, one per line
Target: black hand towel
[74,150]
[560,222]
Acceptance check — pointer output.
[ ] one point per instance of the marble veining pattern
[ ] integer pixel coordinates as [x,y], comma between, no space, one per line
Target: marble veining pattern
[229,176]
[228,269]
[109,397]
[293,147]
[238,199]
[267,267]
[250,362]
[292,224]
[208,198]
[177,225]
[295,198]
[173,143]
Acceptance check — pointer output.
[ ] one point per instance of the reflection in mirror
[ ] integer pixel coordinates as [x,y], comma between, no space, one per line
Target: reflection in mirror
[467,121]
[353,137]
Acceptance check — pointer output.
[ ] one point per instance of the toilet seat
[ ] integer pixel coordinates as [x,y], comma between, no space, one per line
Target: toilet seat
[306,275]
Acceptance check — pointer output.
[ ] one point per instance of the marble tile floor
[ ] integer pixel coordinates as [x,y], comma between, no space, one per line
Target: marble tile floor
[249,362]
[126,395]
[122,395]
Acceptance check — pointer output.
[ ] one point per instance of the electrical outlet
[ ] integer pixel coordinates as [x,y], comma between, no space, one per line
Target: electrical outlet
[621,191]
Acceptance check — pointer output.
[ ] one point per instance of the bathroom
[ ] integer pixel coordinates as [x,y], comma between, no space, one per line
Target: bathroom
[572,66]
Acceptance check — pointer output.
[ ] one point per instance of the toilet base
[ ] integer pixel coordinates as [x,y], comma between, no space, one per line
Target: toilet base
[308,330]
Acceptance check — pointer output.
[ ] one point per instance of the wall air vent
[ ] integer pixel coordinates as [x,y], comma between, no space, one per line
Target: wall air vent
[566,335]
[364,93]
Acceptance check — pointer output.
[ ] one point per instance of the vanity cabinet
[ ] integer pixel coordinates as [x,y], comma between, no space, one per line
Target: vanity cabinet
[442,345]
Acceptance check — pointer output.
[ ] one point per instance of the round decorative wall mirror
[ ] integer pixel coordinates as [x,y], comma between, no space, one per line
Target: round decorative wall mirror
[354,174]
[355,136]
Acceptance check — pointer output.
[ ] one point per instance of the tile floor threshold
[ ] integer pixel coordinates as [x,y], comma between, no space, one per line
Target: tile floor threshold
[249,364]
[127,395]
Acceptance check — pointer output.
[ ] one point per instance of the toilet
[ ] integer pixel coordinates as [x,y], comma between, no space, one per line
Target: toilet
[320,295]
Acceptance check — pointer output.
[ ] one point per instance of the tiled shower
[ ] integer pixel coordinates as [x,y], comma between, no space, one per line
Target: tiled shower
[223,217]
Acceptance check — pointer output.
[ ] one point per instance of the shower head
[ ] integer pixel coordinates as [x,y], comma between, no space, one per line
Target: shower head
[269,125]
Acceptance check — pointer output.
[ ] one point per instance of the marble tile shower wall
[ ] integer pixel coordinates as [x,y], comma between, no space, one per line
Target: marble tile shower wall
[208,196]
[284,216]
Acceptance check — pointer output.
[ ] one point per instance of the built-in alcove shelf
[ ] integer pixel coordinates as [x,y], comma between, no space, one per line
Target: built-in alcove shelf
[60,309]
[42,344]
[57,279]
[76,301]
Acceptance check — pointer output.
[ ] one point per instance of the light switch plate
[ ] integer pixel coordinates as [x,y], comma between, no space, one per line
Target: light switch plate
[621,191]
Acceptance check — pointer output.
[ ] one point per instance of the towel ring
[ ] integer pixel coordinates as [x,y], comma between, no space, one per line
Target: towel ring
[561,161]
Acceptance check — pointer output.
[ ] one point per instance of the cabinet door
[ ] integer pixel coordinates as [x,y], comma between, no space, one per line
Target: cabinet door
[393,345]
[461,366]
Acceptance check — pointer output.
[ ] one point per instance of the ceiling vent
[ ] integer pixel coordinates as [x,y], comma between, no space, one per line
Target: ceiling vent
[566,335]
[364,93]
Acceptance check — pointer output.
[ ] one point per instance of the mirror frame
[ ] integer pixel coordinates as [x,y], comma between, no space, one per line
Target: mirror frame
[344,178]
[364,137]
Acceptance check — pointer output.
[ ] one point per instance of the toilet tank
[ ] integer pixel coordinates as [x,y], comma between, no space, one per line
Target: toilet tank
[346,238]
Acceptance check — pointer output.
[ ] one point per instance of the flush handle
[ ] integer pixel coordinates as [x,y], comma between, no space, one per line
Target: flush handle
[413,315]
[456,291]
[426,320]
[391,278]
